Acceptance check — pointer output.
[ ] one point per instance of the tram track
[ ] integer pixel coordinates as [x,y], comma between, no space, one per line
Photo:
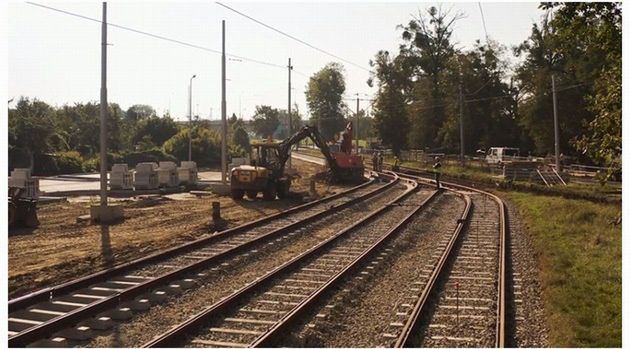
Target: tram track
[258,313]
[114,294]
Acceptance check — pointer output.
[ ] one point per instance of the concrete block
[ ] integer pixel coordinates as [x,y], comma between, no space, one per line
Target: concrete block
[120,177]
[105,214]
[146,176]
[187,175]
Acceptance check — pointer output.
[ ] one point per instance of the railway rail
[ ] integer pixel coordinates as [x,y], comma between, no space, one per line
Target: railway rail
[463,302]
[457,300]
[117,292]
[257,314]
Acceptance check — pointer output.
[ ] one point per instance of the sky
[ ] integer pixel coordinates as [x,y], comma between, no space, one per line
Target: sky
[55,57]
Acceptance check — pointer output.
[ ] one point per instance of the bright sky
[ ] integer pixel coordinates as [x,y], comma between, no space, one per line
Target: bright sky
[56,57]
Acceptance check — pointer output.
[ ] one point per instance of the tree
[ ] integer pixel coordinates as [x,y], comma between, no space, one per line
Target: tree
[242,139]
[265,121]
[324,96]
[138,112]
[427,49]
[206,146]
[156,129]
[31,126]
[488,114]
[390,116]
[578,47]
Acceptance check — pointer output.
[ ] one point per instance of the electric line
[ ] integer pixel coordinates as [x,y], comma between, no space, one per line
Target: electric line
[483,20]
[292,37]
[155,36]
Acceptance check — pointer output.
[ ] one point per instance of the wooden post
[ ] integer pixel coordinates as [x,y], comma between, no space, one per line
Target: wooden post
[216,211]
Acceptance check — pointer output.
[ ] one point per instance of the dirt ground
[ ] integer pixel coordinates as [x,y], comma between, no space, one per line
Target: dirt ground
[62,249]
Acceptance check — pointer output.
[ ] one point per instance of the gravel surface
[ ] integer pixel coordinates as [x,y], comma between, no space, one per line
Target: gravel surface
[235,239]
[361,313]
[463,311]
[224,280]
[283,295]
[525,310]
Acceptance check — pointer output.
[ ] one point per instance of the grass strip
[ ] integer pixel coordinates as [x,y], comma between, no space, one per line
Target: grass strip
[578,244]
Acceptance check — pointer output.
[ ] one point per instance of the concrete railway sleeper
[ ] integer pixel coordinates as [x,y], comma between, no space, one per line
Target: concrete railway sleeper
[463,301]
[258,313]
[69,311]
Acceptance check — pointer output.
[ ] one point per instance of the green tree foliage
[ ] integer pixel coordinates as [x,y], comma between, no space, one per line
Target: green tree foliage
[31,127]
[266,120]
[206,146]
[80,124]
[390,115]
[580,45]
[138,112]
[242,139]
[488,102]
[155,129]
[427,50]
[603,141]
[324,95]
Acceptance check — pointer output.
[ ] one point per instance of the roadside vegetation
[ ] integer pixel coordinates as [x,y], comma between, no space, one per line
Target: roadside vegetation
[578,245]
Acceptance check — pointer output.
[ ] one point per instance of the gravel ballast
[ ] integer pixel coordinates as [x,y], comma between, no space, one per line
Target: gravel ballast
[227,278]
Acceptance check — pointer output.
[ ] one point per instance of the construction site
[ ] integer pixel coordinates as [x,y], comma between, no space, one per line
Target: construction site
[469,200]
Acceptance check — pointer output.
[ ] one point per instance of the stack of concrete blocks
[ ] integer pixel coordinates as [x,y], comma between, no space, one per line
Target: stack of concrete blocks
[146,176]
[120,177]
[167,174]
[21,178]
[187,172]
[237,162]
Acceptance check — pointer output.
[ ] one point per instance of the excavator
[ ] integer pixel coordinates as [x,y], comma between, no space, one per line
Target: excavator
[266,172]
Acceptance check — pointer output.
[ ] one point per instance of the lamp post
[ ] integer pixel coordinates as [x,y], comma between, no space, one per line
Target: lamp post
[190,118]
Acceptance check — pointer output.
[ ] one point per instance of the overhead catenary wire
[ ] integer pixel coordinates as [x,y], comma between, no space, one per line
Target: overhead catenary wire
[159,37]
[293,37]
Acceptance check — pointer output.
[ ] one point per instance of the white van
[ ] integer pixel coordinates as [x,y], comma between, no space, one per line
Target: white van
[496,155]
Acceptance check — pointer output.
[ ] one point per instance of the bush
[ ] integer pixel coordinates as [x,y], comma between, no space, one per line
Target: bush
[152,155]
[69,162]
[93,164]
[45,165]
[206,146]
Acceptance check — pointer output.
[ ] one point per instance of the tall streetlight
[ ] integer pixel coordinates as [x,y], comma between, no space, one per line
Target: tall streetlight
[190,118]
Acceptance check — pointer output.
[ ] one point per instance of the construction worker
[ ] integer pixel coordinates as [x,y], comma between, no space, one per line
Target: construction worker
[396,166]
[436,171]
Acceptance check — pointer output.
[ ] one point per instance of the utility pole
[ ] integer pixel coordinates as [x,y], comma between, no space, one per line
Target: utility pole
[555,123]
[461,124]
[289,107]
[223,107]
[356,139]
[190,118]
[104,108]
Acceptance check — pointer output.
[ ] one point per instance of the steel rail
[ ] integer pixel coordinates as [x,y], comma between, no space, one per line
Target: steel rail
[49,292]
[501,277]
[176,333]
[410,324]
[45,329]
[268,339]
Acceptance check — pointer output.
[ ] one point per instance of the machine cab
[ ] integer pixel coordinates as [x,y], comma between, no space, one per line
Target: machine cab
[266,155]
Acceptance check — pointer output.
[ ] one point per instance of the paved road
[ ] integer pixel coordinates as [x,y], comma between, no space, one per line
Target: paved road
[64,183]
[90,181]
